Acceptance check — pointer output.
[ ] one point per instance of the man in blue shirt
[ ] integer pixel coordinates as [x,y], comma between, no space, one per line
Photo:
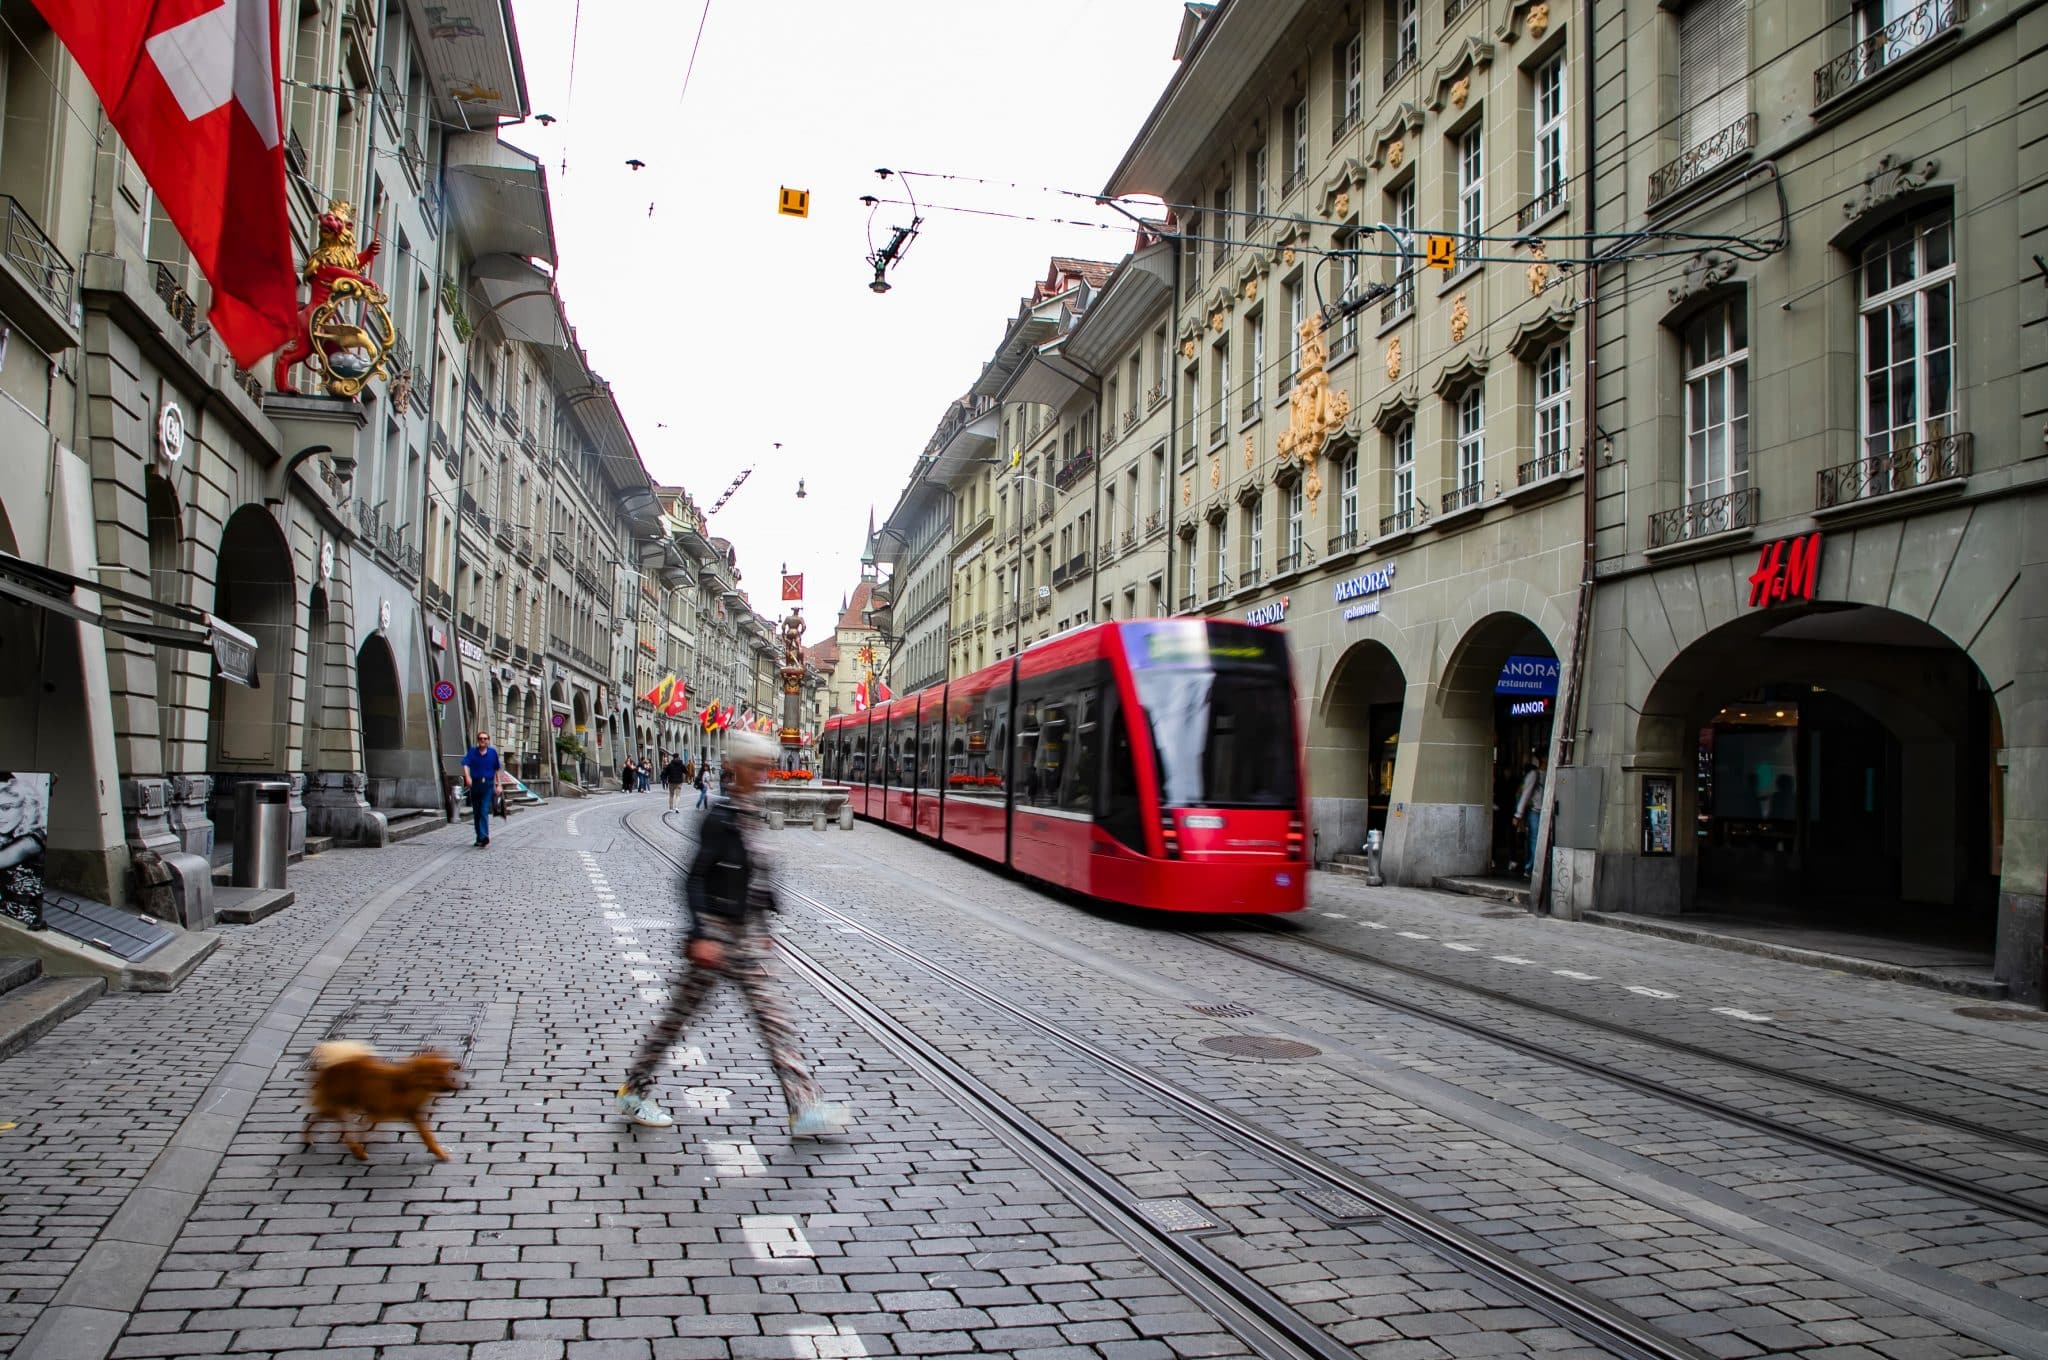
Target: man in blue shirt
[480,776]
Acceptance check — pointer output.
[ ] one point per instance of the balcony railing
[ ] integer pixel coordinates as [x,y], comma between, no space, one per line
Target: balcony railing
[366,519]
[1249,577]
[1129,539]
[502,642]
[1219,588]
[1301,559]
[976,526]
[1543,204]
[1060,575]
[1155,524]
[1703,157]
[437,594]
[295,153]
[1131,418]
[1453,8]
[388,93]
[1077,564]
[176,300]
[1045,604]
[1398,65]
[1399,522]
[1287,186]
[1045,511]
[1459,497]
[1344,542]
[1937,460]
[521,654]
[981,620]
[1188,603]
[35,257]
[1883,47]
[1542,466]
[1704,518]
[1155,395]
[412,155]
[1400,303]
[468,624]
[1074,469]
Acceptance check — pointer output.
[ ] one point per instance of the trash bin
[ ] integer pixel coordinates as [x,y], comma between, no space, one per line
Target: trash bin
[263,826]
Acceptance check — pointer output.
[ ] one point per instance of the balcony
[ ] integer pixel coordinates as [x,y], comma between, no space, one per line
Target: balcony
[1077,564]
[1188,603]
[1400,303]
[1703,158]
[1542,205]
[1398,65]
[411,563]
[1884,48]
[467,623]
[413,157]
[366,519]
[501,643]
[1045,511]
[1454,8]
[1463,497]
[1045,604]
[1705,518]
[981,621]
[1248,409]
[389,96]
[1074,469]
[1400,522]
[521,654]
[1250,577]
[1287,187]
[1060,575]
[1128,539]
[1301,559]
[183,309]
[1155,396]
[974,528]
[1940,460]
[1219,588]
[1131,418]
[437,595]
[36,260]
[1544,466]
[1345,542]
[1155,524]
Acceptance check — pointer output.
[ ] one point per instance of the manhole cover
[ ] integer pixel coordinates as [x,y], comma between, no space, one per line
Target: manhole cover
[1225,1008]
[1260,1046]
[2002,1013]
[1175,1215]
[1338,1206]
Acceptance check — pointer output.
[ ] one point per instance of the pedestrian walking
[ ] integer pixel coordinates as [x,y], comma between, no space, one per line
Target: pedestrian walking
[672,775]
[1529,810]
[730,899]
[703,788]
[480,768]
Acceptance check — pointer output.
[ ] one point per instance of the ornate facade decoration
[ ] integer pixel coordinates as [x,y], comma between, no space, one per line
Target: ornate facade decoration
[1248,453]
[1216,320]
[1342,203]
[1251,289]
[1539,20]
[1287,254]
[1396,153]
[1703,272]
[1215,471]
[1394,359]
[1187,348]
[345,331]
[1539,271]
[1461,319]
[1893,176]
[1315,410]
[1461,90]
[1187,490]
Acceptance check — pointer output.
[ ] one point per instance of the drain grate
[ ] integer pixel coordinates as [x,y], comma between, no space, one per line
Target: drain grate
[1228,1009]
[2003,1013]
[399,1028]
[1265,1046]
[1339,1207]
[1502,915]
[1175,1215]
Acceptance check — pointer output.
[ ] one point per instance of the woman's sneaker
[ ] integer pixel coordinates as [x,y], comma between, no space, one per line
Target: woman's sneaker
[644,1110]
[818,1119]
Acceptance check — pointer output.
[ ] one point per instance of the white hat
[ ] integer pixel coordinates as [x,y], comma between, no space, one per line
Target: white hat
[745,746]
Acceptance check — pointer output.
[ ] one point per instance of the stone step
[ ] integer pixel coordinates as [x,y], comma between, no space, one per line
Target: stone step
[1511,891]
[18,973]
[247,906]
[27,1013]
[406,824]
[1358,861]
[1349,870]
[318,845]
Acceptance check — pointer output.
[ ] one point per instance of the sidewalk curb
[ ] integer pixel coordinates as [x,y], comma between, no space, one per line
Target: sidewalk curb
[1986,988]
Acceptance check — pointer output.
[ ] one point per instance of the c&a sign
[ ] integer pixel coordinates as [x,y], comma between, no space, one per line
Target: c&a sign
[1788,569]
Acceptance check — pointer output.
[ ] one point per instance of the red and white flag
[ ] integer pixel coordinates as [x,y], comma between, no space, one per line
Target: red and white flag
[678,701]
[860,697]
[192,88]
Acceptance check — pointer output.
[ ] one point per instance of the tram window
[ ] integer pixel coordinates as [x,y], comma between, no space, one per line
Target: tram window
[928,747]
[859,770]
[995,718]
[1084,753]
[1121,813]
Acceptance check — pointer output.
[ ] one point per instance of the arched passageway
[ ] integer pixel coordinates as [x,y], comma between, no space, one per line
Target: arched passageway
[1354,744]
[249,727]
[382,704]
[167,579]
[1835,765]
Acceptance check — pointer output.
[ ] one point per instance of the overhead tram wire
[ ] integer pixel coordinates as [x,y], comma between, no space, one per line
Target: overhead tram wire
[691,68]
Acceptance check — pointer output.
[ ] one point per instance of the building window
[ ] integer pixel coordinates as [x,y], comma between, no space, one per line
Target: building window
[1297,152]
[1255,350]
[1223,554]
[1348,265]
[1551,139]
[1159,484]
[1717,402]
[1471,470]
[1553,410]
[1403,34]
[1255,540]
[1471,193]
[1347,502]
[1191,250]
[1295,502]
[1191,415]
[1296,302]
[1713,68]
[1219,391]
[1255,177]
[1222,227]
[1909,343]
[1404,276]
[1401,495]
[1348,71]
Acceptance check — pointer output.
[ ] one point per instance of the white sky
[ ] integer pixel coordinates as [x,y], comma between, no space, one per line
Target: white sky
[736,328]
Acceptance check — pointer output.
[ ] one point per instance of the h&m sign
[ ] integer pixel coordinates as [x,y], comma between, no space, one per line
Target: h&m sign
[1788,569]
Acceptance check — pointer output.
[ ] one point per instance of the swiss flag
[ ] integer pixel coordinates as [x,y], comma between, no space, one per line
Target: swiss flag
[678,702]
[792,585]
[192,87]
[860,697]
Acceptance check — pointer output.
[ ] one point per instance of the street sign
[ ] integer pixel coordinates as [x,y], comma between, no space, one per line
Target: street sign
[794,202]
[444,693]
[1443,252]
[561,720]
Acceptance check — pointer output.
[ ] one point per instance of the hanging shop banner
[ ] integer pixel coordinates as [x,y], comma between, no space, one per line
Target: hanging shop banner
[234,651]
[1528,675]
[24,832]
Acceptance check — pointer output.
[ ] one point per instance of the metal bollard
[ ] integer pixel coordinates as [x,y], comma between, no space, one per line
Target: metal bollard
[263,824]
[1372,860]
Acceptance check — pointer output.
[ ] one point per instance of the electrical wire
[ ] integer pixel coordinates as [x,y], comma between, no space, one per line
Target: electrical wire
[95,130]
[691,68]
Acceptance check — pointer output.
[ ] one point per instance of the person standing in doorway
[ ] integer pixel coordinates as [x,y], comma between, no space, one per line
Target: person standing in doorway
[730,899]
[672,776]
[480,769]
[1529,810]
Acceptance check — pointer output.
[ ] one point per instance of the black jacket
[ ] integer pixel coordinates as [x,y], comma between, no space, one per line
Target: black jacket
[721,883]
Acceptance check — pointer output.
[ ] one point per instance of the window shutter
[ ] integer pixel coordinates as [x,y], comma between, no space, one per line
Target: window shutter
[1713,66]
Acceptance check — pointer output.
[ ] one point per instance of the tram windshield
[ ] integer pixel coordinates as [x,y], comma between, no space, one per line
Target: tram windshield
[1219,702]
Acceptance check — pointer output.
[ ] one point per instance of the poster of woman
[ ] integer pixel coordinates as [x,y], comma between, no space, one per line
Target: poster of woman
[24,832]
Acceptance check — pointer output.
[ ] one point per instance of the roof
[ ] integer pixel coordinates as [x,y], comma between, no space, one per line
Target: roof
[863,599]
[824,655]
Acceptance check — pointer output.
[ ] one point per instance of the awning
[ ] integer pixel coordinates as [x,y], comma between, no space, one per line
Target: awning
[233,650]
[498,196]
[522,297]
[1046,378]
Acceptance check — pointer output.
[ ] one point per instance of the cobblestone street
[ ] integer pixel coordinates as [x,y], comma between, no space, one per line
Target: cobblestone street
[1402,1125]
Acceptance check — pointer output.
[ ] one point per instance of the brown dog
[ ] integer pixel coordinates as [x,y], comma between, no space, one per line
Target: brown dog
[351,1081]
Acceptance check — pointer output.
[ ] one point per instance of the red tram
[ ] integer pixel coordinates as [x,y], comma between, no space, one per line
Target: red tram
[1154,762]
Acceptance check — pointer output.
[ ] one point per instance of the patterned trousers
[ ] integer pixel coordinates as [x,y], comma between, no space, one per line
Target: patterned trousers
[746,963]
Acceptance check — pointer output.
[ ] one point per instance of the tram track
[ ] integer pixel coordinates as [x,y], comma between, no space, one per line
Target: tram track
[1266,1323]
[1962,1188]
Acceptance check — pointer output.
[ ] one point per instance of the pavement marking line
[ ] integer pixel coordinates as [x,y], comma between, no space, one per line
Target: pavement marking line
[713,1098]
[1575,976]
[1373,925]
[1734,1014]
[1411,935]
[825,1341]
[1654,993]
[1461,948]
[1512,958]
[690,1055]
[645,975]
[736,1159]
[1336,916]
[91,1307]
[773,1237]
[654,996]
